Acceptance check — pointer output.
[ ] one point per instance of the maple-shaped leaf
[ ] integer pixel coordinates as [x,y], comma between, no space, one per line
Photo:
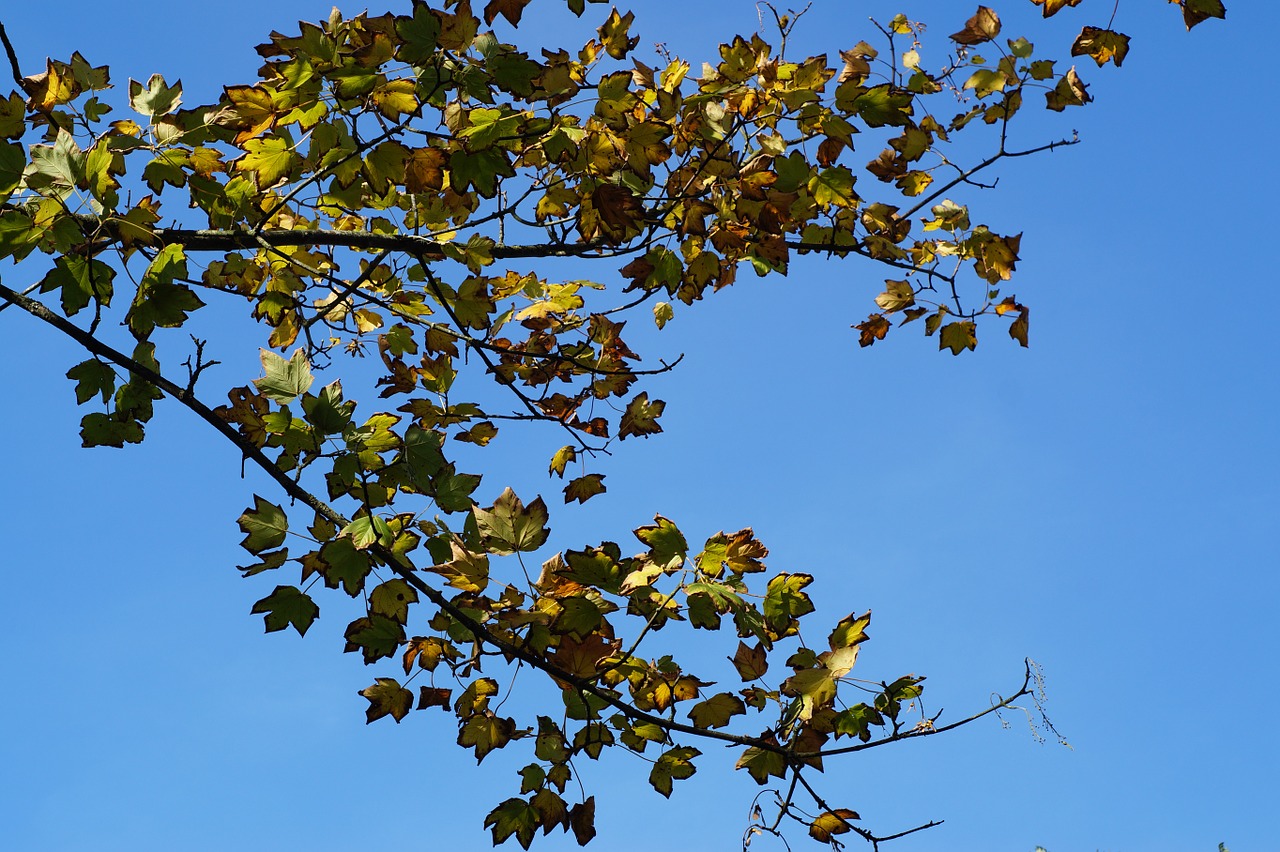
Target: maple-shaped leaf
[387,698]
[667,545]
[983,26]
[264,526]
[717,710]
[674,764]
[1103,45]
[785,602]
[1198,11]
[508,526]
[254,108]
[897,296]
[613,34]
[641,416]
[582,658]
[427,651]
[287,606]
[741,553]
[392,599]
[284,381]
[751,662]
[850,631]
[424,170]
[831,823]
[762,764]
[509,9]
[419,34]
[157,98]
[958,336]
[466,570]
[513,817]
[434,696]
[269,160]
[485,732]
[874,328]
[375,636]
[584,488]
[93,378]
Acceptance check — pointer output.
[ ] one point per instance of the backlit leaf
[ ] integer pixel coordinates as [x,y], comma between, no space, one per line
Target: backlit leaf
[287,606]
[387,698]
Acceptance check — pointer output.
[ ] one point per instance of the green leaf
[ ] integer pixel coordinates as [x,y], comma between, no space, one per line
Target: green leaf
[287,606]
[485,732]
[761,764]
[341,564]
[268,160]
[513,817]
[93,378]
[958,336]
[508,526]
[419,33]
[375,636]
[641,417]
[674,764]
[12,162]
[264,526]
[284,381]
[785,603]
[387,698]
[584,488]
[392,599]
[717,710]
[667,545]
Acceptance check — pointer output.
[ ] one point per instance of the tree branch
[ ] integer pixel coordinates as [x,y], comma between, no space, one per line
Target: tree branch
[14,66]
[397,563]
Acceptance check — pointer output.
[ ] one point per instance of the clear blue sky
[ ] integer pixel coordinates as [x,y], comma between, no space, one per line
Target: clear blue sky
[1105,502]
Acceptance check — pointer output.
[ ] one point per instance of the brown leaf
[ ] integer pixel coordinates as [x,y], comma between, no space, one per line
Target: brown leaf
[875,328]
[983,26]
[509,9]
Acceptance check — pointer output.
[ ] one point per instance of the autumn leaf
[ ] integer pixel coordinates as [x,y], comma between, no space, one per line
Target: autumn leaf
[1198,11]
[717,710]
[1052,7]
[267,160]
[641,417]
[387,698]
[751,662]
[509,9]
[831,823]
[584,488]
[874,328]
[958,336]
[674,764]
[1102,45]
[284,381]
[983,26]
[508,526]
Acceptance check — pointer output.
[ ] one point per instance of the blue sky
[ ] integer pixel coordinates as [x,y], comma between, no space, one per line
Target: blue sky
[1104,502]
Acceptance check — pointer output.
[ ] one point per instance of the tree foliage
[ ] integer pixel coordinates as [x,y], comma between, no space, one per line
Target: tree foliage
[407,187]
